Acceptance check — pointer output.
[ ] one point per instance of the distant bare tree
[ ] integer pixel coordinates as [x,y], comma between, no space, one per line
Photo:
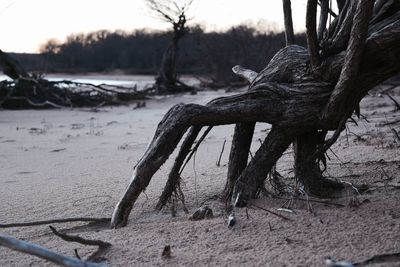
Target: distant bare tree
[173,12]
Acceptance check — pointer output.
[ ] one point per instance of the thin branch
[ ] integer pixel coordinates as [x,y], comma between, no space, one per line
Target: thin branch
[312,38]
[396,134]
[313,200]
[196,147]
[272,212]
[340,4]
[287,12]
[96,256]
[333,14]
[78,239]
[44,253]
[220,155]
[328,143]
[173,182]
[81,219]
[395,102]
[390,123]
[323,18]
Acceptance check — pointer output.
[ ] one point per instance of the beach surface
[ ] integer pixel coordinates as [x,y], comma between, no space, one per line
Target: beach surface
[67,163]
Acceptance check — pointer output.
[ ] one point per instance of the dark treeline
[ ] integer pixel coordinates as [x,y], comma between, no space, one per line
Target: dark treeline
[201,53]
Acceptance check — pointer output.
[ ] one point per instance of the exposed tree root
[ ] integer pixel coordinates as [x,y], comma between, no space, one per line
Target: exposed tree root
[301,94]
[307,169]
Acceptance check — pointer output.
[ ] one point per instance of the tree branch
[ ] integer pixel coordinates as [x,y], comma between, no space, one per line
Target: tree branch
[287,12]
[96,256]
[312,38]
[323,18]
[340,4]
[353,57]
[44,253]
[82,219]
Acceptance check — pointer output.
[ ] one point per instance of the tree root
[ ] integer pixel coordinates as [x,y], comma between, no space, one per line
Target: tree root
[290,95]
[219,111]
[173,183]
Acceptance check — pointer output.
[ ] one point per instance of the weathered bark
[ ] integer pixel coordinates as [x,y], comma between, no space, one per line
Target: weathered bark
[288,95]
[344,87]
[307,169]
[286,66]
[252,178]
[238,156]
[261,104]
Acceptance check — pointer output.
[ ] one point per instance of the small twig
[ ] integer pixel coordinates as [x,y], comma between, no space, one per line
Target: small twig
[220,155]
[195,177]
[390,123]
[396,134]
[309,205]
[328,143]
[272,212]
[395,102]
[270,227]
[77,254]
[195,147]
[251,154]
[314,200]
[79,219]
[364,118]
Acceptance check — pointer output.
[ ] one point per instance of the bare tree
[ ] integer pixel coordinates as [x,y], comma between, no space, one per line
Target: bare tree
[303,93]
[173,12]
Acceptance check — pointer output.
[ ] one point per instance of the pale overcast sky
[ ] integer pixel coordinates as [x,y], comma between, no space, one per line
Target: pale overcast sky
[26,24]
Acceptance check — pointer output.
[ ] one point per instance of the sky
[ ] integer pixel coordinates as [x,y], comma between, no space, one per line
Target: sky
[25,25]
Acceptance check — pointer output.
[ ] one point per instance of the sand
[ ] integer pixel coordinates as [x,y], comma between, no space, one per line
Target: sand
[77,163]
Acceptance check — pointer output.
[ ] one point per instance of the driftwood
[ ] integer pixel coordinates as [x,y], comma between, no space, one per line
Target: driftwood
[64,220]
[44,253]
[97,255]
[302,93]
[33,91]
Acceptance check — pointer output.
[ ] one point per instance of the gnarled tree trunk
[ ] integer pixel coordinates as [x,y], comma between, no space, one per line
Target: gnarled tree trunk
[302,93]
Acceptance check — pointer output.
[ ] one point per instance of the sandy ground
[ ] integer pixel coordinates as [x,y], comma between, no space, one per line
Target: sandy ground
[76,163]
